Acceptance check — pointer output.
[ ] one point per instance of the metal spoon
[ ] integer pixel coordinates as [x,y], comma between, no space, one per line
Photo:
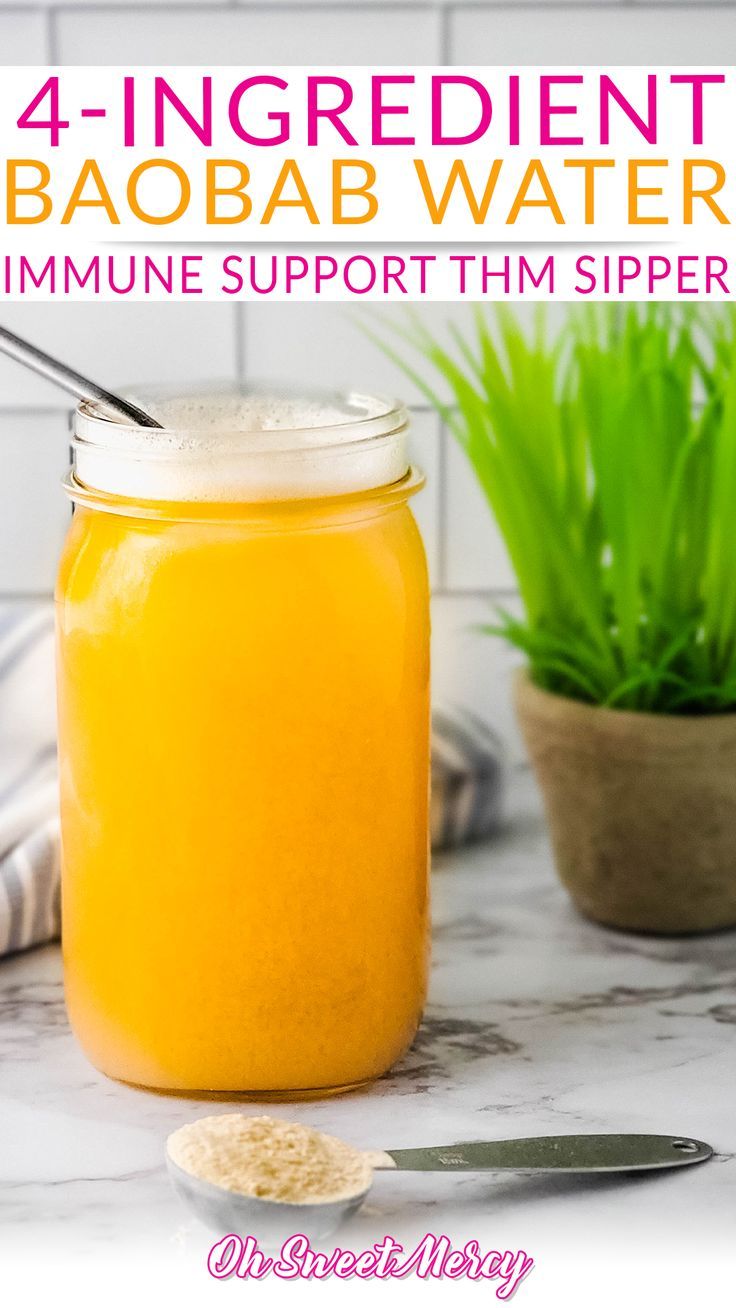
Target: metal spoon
[61,375]
[269,1221]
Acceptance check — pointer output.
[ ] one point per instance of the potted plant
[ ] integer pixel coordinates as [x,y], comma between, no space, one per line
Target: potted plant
[608,458]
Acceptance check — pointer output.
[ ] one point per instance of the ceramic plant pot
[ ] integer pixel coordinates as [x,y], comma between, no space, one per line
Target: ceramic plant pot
[641,810]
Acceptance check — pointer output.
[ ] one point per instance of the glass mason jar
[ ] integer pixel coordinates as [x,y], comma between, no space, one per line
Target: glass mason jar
[243,678]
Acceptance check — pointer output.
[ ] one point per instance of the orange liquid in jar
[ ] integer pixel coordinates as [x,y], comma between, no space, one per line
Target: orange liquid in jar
[244,744]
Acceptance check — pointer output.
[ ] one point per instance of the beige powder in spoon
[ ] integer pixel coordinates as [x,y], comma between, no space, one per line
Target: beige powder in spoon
[270,1159]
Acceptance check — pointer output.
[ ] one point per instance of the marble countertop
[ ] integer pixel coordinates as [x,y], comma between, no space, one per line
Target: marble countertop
[538,1022]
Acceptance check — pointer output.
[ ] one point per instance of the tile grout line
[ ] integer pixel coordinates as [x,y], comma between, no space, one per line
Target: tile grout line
[442,509]
[52,37]
[437,593]
[369,6]
[475,593]
[35,411]
[240,343]
[241,371]
[444,18]
[442,7]
[138,7]
[343,6]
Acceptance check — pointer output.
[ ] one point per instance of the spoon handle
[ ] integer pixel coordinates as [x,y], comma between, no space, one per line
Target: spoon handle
[557,1153]
[69,380]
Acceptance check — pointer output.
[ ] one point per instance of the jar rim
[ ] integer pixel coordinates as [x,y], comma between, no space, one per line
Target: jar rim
[342,443]
[374,415]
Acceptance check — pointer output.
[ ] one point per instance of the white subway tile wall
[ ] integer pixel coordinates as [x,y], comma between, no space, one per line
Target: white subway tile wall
[316,344]
[252,34]
[35,511]
[24,35]
[121,344]
[475,555]
[596,34]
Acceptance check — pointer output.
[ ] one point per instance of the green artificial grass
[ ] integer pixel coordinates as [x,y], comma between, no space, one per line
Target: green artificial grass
[607,455]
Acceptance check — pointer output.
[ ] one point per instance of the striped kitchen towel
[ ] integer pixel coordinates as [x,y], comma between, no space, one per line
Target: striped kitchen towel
[29,829]
[467,777]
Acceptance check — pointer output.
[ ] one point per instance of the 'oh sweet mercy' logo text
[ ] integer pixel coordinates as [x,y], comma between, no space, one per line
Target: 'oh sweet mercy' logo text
[433,1257]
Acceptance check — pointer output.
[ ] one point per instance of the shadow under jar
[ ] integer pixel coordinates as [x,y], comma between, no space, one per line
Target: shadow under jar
[243,684]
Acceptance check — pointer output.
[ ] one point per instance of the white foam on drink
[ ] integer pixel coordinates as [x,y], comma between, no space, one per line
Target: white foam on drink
[233,446]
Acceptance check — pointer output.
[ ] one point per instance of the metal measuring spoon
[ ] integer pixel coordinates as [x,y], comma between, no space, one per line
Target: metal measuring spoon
[270,1221]
[79,386]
